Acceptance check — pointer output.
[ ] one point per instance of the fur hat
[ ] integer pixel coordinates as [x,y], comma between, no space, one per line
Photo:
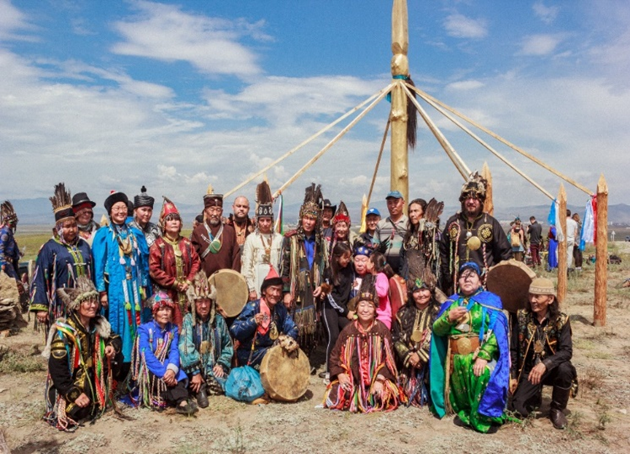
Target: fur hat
[143,199]
[210,199]
[264,201]
[201,289]
[83,290]
[114,197]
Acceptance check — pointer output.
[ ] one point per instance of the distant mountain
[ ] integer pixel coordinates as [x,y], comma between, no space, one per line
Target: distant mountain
[39,212]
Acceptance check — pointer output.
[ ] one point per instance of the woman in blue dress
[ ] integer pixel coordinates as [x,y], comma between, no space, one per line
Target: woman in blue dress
[552,257]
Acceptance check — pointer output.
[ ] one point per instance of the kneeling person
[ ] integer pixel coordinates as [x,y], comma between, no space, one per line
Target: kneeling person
[80,350]
[541,354]
[205,345]
[261,322]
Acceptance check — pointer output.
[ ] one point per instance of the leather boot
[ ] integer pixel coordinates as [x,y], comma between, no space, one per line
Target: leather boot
[559,399]
[202,396]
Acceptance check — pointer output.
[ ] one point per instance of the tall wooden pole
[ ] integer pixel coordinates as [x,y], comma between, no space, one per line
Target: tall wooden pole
[562,245]
[601,261]
[398,116]
[488,205]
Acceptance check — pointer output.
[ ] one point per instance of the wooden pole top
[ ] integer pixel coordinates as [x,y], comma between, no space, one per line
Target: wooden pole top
[602,187]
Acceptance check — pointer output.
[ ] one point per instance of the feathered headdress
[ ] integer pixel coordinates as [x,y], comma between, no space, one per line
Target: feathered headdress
[476,185]
[7,213]
[313,201]
[264,200]
[83,290]
[143,199]
[200,289]
[367,292]
[168,208]
[62,203]
[342,214]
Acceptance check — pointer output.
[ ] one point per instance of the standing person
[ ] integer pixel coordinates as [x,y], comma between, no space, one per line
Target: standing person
[261,322]
[534,230]
[215,241]
[420,253]
[362,363]
[411,335]
[121,272]
[541,354]
[263,248]
[577,248]
[552,253]
[173,261]
[336,290]
[9,252]
[142,213]
[341,232]
[327,214]
[156,367]
[370,237]
[471,235]
[82,207]
[304,259]
[470,358]
[60,262]
[82,352]
[516,238]
[381,273]
[205,346]
[572,234]
[392,230]
[239,219]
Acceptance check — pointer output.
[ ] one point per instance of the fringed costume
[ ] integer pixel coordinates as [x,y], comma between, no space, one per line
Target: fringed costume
[9,251]
[363,355]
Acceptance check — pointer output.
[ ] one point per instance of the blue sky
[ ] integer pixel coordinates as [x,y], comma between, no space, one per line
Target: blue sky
[179,95]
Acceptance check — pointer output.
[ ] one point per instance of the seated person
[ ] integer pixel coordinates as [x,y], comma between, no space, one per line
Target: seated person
[411,334]
[155,364]
[362,364]
[541,354]
[470,359]
[80,350]
[261,322]
[205,346]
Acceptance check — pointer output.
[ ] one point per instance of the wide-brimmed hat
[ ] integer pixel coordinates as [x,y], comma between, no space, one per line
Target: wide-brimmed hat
[81,200]
[542,286]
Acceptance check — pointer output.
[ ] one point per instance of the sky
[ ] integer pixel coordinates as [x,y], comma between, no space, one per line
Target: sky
[178,95]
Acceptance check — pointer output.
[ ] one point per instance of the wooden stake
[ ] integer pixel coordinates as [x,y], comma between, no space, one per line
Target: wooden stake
[341,133]
[502,140]
[460,165]
[310,139]
[488,206]
[399,180]
[601,262]
[562,245]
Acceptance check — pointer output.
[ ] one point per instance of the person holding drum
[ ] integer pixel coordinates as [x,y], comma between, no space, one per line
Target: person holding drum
[205,346]
[261,322]
[362,364]
[411,333]
[470,357]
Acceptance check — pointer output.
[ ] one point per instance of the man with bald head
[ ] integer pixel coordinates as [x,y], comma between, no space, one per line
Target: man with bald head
[239,219]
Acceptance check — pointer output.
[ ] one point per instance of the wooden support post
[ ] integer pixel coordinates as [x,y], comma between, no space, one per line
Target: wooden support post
[398,116]
[562,245]
[601,262]
[488,205]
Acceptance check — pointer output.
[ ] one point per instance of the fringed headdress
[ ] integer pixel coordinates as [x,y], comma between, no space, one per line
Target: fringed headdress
[264,200]
[7,214]
[83,290]
[201,289]
[62,204]
[159,300]
[367,292]
[476,185]
[313,201]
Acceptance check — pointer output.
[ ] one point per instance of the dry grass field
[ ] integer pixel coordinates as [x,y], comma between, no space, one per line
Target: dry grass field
[599,420]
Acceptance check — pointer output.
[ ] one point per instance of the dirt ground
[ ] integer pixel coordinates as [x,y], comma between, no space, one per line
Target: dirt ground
[599,420]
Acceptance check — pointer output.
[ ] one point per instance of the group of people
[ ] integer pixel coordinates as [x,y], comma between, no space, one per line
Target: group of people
[129,306]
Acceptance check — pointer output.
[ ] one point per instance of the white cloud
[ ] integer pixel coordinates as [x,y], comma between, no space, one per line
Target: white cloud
[539,45]
[465,85]
[166,33]
[547,14]
[460,26]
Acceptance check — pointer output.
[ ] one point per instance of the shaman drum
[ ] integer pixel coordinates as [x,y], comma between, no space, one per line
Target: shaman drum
[510,280]
[285,376]
[232,291]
